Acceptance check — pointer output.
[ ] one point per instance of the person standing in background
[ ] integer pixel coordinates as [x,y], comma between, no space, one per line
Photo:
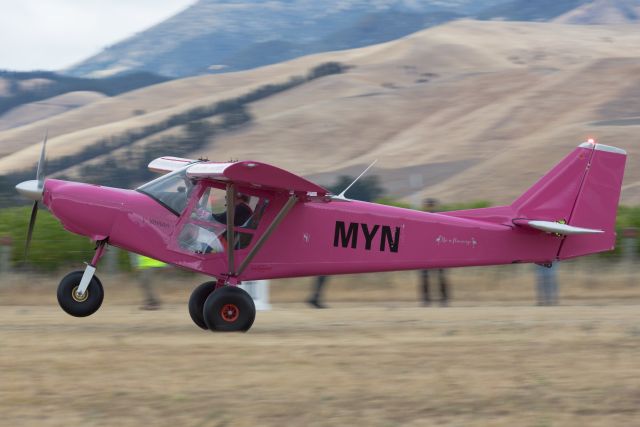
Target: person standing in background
[431,205]
[547,284]
[366,189]
[315,300]
[146,271]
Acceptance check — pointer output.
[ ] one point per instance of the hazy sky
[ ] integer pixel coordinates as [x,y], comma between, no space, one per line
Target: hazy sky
[54,34]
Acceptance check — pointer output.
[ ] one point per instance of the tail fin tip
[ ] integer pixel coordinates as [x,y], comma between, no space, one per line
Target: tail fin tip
[602,147]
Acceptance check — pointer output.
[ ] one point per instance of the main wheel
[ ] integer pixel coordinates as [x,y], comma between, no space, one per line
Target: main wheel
[72,303]
[229,309]
[196,302]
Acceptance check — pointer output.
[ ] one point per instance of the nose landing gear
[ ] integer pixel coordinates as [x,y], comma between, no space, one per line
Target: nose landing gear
[75,303]
[80,293]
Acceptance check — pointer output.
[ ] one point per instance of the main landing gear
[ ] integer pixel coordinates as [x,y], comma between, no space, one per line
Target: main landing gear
[213,305]
[222,308]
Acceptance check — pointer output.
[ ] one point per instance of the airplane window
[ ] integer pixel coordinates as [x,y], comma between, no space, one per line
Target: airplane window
[258,211]
[171,190]
[212,207]
[202,240]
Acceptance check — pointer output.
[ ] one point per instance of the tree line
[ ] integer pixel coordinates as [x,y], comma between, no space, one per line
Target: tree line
[59,84]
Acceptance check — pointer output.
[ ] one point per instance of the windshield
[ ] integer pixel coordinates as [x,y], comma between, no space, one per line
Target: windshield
[171,190]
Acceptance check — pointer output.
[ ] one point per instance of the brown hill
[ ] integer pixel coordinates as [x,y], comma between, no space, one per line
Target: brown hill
[598,12]
[39,110]
[472,110]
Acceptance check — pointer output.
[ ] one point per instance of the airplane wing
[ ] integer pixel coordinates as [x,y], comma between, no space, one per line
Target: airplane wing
[169,164]
[257,175]
[254,174]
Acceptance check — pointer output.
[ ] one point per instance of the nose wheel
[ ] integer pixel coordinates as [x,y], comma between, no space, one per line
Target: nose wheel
[229,309]
[76,303]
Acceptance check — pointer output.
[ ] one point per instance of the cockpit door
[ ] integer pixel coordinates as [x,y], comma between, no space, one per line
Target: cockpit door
[203,229]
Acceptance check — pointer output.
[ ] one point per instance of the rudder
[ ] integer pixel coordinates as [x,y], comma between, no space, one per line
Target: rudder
[597,203]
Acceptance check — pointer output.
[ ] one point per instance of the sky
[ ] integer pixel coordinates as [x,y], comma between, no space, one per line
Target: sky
[55,34]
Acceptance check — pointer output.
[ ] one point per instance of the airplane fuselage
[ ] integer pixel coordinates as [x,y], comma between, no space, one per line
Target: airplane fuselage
[315,238]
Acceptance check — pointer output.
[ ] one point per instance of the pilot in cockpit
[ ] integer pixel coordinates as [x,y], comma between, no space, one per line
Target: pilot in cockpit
[214,240]
[242,211]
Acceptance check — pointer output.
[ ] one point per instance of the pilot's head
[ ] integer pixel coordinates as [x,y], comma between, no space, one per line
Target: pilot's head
[242,198]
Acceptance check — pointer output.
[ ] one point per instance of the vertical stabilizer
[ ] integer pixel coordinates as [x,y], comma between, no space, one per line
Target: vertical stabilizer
[597,203]
[582,191]
[577,199]
[553,197]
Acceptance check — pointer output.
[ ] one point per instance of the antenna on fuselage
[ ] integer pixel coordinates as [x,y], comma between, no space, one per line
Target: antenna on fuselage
[341,196]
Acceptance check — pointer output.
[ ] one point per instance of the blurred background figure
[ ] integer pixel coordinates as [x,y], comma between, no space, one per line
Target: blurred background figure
[366,189]
[6,243]
[547,284]
[431,205]
[315,300]
[443,286]
[146,268]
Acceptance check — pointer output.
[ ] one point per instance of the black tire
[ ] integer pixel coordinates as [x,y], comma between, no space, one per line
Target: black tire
[73,306]
[229,309]
[196,302]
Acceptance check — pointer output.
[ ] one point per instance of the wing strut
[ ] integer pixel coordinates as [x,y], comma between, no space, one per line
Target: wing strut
[274,224]
[231,213]
[342,195]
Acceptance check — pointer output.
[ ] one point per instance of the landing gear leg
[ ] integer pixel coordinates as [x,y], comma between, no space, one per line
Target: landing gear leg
[81,293]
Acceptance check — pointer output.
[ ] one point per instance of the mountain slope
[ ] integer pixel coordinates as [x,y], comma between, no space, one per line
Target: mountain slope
[610,12]
[468,110]
[27,96]
[214,35]
[527,10]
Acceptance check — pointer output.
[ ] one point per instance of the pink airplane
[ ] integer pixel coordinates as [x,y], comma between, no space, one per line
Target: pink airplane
[248,220]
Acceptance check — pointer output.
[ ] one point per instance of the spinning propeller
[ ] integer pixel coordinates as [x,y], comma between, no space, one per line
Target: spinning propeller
[33,190]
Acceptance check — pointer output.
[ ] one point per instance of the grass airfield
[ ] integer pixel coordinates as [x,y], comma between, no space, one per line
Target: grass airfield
[489,360]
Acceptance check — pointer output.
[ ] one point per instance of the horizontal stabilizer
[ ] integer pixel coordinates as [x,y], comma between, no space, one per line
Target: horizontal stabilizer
[555,227]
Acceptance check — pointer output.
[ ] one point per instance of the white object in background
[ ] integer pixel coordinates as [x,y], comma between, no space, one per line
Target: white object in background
[259,291]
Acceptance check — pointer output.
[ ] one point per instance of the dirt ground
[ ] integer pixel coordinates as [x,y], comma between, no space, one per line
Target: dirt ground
[490,359]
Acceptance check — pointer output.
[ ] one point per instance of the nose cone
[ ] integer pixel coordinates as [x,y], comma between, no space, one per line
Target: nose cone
[85,209]
[31,190]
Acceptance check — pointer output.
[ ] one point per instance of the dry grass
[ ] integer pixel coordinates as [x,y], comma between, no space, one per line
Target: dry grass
[386,362]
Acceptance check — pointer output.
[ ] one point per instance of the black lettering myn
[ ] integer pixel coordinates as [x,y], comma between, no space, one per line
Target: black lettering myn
[347,236]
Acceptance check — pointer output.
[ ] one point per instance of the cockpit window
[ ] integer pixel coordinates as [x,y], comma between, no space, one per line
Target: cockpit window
[205,231]
[171,190]
[212,207]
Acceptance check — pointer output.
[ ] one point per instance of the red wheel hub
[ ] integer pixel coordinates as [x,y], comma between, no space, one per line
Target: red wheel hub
[229,312]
